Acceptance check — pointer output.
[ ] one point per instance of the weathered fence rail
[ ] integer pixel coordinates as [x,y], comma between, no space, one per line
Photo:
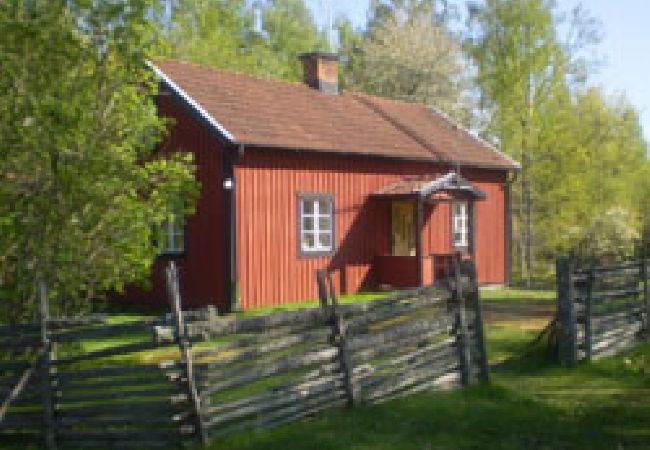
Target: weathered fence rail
[602,309]
[190,376]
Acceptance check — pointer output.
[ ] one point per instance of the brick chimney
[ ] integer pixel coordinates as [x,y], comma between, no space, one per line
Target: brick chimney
[321,71]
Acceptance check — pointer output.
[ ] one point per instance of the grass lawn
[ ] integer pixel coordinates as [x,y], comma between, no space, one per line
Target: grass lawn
[348,298]
[530,404]
[516,295]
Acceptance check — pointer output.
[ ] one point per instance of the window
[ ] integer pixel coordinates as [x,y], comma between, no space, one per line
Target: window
[460,224]
[171,237]
[316,215]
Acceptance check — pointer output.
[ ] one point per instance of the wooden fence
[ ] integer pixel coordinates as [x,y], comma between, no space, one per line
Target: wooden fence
[601,309]
[93,384]
[191,376]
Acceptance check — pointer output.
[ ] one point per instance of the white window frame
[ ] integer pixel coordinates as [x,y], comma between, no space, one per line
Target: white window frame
[460,224]
[315,215]
[170,229]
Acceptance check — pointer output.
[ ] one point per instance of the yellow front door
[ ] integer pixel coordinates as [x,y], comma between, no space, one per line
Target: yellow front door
[403,227]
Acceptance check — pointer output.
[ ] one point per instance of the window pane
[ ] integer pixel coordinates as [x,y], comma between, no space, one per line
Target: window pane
[179,242]
[308,224]
[308,241]
[325,207]
[325,240]
[308,206]
[324,224]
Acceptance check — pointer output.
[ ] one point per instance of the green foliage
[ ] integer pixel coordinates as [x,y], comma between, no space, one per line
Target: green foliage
[220,33]
[609,235]
[409,53]
[79,190]
[415,61]
[433,11]
[528,404]
[582,153]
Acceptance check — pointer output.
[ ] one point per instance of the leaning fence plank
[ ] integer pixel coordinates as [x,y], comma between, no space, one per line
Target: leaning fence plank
[646,292]
[567,336]
[339,334]
[462,334]
[18,388]
[484,368]
[184,345]
[46,367]
[589,340]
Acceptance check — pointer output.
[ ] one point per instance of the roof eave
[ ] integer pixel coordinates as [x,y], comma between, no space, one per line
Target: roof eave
[368,153]
[214,125]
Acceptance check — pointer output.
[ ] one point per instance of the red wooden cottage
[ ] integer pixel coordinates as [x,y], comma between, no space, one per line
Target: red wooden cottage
[299,176]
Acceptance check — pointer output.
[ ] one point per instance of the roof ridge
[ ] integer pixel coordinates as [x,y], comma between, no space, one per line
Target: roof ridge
[366,100]
[470,134]
[232,72]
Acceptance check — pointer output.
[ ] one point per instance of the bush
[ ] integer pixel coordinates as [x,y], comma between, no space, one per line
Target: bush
[610,236]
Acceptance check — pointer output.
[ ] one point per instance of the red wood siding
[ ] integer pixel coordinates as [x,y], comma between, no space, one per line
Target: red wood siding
[397,271]
[268,182]
[489,237]
[202,270]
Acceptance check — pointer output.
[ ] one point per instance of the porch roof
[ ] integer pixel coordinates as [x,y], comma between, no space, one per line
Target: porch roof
[423,186]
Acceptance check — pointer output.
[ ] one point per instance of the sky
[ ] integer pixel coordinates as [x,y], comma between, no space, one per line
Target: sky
[625,47]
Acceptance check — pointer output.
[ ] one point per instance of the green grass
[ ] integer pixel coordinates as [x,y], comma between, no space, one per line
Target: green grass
[531,404]
[514,295]
[348,298]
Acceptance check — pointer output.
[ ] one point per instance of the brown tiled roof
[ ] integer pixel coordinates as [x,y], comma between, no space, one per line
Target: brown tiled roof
[280,114]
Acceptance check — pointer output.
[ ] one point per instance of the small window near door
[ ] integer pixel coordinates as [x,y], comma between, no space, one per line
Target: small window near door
[460,225]
[316,216]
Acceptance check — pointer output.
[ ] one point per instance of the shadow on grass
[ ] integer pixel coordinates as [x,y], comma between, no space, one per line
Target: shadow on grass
[531,404]
[484,417]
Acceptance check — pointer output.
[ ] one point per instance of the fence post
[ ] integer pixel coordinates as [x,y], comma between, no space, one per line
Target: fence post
[462,336]
[339,334]
[591,279]
[45,371]
[186,352]
[646,291]
[475,295]
[566,312]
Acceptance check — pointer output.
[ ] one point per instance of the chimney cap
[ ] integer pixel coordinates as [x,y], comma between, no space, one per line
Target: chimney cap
[319,54]
[320,71]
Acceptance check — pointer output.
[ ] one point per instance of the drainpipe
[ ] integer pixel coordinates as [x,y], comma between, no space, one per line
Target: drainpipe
[510,178]
[231,155]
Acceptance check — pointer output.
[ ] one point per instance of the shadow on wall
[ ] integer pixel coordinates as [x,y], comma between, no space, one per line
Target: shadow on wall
[367,236]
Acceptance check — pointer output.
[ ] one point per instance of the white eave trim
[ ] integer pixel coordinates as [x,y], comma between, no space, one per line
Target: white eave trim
[193,103]
[451,180]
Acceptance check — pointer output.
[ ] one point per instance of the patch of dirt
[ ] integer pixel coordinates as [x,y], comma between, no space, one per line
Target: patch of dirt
[521,315]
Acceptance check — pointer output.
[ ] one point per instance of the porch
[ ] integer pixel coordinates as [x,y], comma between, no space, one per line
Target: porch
[410,262]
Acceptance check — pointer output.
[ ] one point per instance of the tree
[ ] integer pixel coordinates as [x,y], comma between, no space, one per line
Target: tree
[80,191]
[350,41]
[413,60]
[521,71]
[291,31]
[434,11]
[221,33]
[582,154]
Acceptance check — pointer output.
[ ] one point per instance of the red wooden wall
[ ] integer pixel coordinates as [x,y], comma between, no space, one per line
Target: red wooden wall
[489,237]
[268,181]
[267,184]
[202,269]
